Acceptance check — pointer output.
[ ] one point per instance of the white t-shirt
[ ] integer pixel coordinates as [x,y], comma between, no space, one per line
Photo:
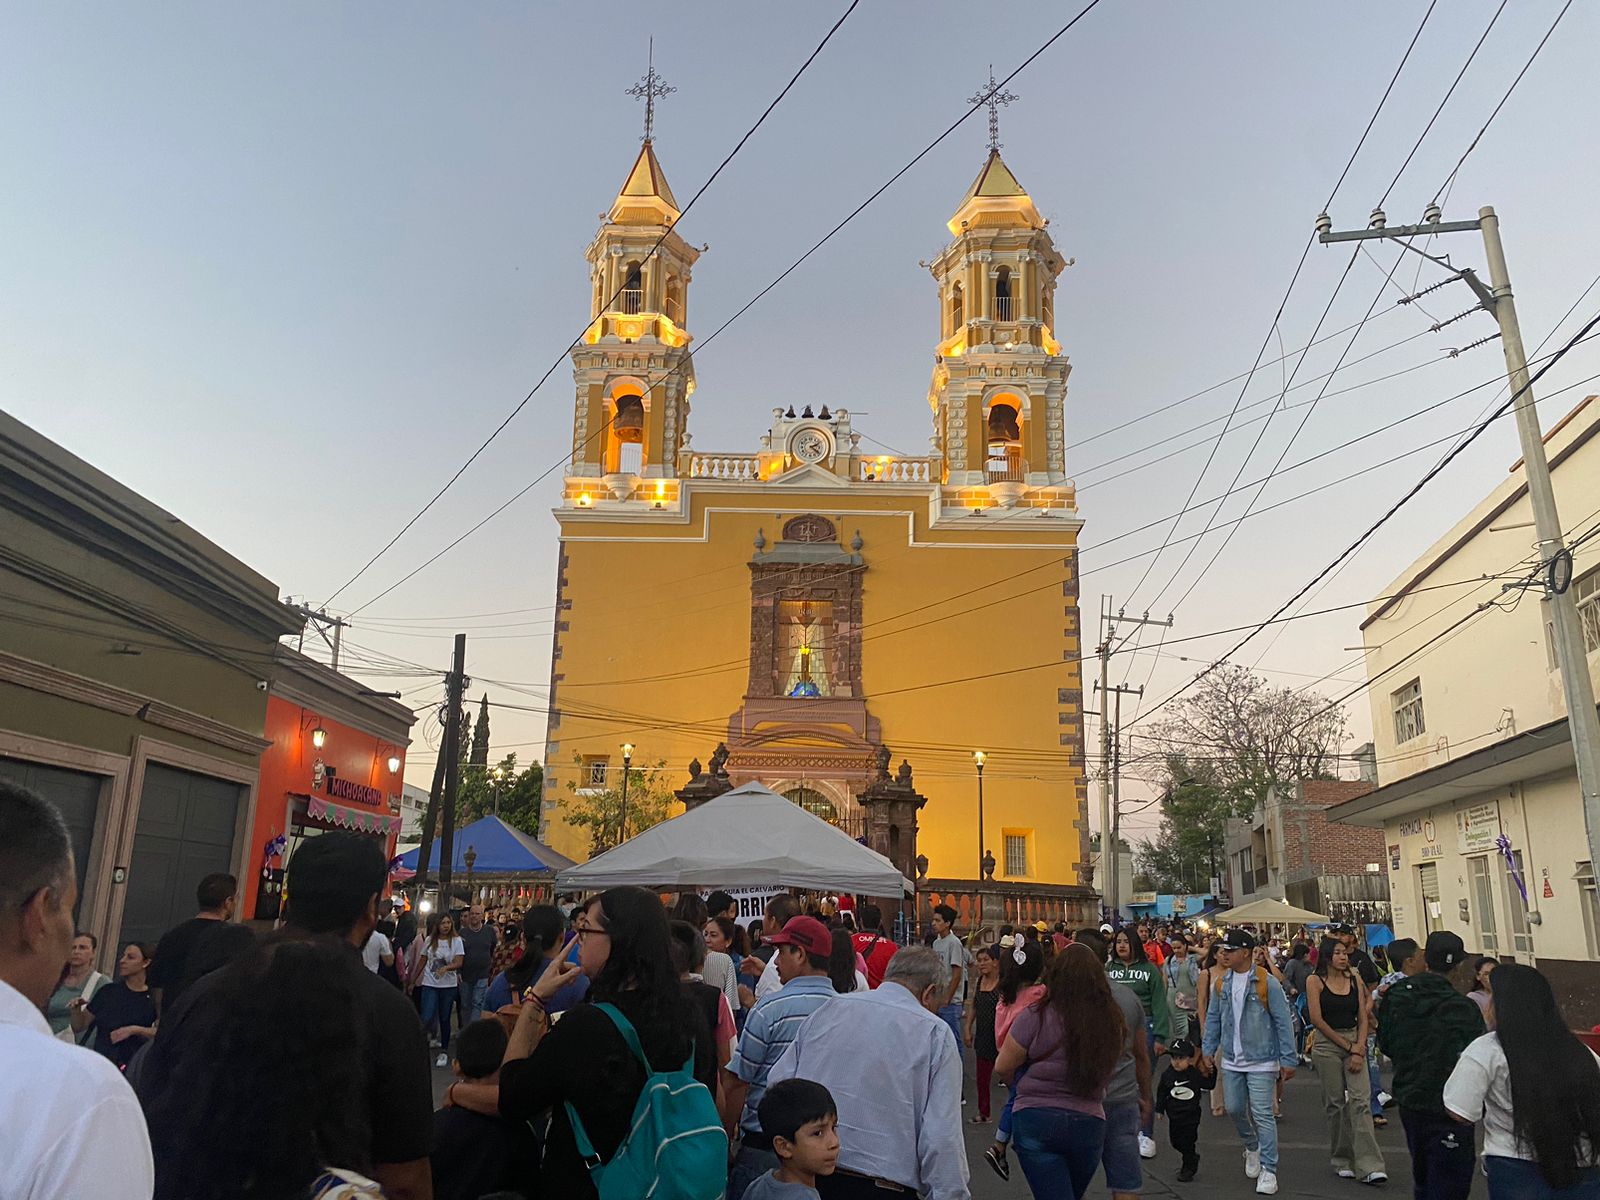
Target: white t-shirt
[434,958]
[954,954]
[1238,985]
[372,953]
[1479,1089]
[769,981]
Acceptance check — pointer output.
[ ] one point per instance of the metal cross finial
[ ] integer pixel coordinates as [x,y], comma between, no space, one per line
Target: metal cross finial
[994,98]
[647,89]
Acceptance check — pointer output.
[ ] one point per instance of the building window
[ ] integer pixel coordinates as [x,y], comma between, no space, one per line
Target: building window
[1586,593]
[594,773]
[1407,704]
[1483,897]
[1002,295]
[1017,856]
[958,309]
[633,289]
[1004,459]
[1591,907]
[1521,934]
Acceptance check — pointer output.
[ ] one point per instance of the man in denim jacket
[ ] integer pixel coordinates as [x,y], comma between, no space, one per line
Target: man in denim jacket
[1250,1037]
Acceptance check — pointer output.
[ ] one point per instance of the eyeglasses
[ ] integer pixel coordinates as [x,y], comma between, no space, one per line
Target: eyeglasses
[584,931]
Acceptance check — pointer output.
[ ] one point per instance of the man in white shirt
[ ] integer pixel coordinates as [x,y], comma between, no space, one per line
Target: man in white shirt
[781,910]
[895,1076]
[73,1126]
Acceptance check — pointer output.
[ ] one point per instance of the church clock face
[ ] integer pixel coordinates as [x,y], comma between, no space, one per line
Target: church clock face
[809,446]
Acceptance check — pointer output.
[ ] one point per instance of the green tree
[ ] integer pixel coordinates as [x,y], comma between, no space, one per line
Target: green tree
[520,791]
[599,810]
[479,755]
[1189,841]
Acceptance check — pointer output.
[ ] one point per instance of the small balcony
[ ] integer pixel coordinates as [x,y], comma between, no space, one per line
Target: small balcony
[725,466]
[894,470]
[632,301]
[1005,308]
[1007,467]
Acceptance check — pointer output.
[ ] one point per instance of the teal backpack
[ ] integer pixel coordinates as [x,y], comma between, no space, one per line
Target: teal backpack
[676,1148]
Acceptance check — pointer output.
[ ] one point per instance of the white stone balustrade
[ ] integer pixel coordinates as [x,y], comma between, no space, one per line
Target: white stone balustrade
[724,466]
[894,470]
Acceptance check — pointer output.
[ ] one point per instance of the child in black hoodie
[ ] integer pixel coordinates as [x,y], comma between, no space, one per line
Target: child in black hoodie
[1178,1098]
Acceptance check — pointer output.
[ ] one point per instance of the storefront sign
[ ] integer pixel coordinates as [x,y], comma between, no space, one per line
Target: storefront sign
[1394,857]
[1477,827]
[349,789]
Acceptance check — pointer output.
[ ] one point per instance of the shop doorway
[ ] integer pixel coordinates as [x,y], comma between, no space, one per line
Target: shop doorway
[1432,909]
[76,794]
[186,830]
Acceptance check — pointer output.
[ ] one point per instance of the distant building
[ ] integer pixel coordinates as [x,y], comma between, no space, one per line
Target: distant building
[1288,850]
[413,804]
[1478,802]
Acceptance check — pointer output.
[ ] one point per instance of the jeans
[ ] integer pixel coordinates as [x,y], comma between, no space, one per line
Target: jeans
[1249,1096]
[750,1165]
[1374,1074]
[1059,1151]
[950,1014]
[1352,1142]
[1518,1179]
[1120,1154]
[470,997]
[1442,1155]
[436,1005]
[1147,1126]
[1002,1127]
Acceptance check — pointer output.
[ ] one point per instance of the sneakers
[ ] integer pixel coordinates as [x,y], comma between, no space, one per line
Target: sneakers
[1267,1185]
[1252,1164]
[1385,1099]
[1186,1173]
[442,1061]
[1375,1178]
[1147,1146]
[996,1158]
[1344,1172]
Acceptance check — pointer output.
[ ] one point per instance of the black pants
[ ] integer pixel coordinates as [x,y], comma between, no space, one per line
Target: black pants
[840,1186]
[1184,1132]
[1443,1156]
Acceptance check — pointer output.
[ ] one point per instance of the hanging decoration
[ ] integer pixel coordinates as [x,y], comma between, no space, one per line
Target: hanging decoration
[351,818]
[275,846]
[1511,866]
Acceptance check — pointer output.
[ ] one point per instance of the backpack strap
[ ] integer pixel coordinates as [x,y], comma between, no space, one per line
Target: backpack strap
[580,1135]
[628,1032]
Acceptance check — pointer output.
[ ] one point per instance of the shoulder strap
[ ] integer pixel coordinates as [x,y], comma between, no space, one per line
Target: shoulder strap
[1261,986]
[629,1034]
[580,1135]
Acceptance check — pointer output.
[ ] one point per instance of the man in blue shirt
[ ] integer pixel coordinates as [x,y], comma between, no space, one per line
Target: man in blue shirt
[804,944]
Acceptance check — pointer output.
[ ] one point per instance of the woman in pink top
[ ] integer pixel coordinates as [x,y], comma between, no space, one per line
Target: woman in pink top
[1021,967]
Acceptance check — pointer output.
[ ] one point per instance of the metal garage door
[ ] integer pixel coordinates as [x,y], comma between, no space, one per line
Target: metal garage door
[75,793]
[185,832]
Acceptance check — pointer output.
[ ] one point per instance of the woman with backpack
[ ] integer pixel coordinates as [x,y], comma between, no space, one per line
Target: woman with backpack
[587,1075]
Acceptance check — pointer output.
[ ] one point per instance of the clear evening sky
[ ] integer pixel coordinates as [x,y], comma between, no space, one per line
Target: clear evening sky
[282,267]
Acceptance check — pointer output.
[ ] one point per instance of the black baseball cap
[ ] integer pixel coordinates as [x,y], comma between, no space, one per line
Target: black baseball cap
[1444,950]
[1238,939]
[1340,927]
[1182,1048]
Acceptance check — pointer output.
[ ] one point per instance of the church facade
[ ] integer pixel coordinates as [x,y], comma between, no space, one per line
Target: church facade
[838,624]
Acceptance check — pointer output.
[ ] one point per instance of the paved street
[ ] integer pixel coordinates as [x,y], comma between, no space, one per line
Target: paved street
[1303,1169]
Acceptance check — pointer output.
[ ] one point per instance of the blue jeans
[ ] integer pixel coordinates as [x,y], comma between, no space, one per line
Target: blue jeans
[1002,1127]
[1374,1075]
[950,1014]
[1517,1179]
[1147,1126]
[1124,1171]
[470,997]
[1249,1096]
[1059,1151]
[436,1005]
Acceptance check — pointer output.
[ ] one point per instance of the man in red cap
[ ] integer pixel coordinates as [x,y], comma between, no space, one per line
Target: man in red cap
[804,944]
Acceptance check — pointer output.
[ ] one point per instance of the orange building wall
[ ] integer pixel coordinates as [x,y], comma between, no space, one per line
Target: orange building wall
[287,768]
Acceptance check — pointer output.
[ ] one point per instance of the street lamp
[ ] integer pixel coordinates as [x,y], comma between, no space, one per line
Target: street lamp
[978,757]
[627,761]
[499,774]
[319,737]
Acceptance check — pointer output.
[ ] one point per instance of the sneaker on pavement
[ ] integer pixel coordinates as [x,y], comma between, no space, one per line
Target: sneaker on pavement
[1185,1174]
[442,1061]
[1147,1146]
[1385,1099]
[1376,1177]
[1344,1172]
[996,1158]
[1252,1164]
[1267,1185]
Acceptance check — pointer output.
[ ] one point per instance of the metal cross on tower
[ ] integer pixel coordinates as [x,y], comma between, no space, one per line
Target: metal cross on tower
[647,89]
[994,98]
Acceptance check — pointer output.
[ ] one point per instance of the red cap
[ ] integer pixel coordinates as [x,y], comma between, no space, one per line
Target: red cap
[810,934]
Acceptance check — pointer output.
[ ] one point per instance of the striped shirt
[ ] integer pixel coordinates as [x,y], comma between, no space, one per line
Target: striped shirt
[768,1030]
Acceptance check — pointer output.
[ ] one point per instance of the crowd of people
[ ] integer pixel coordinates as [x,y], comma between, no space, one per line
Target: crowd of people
[626,1046]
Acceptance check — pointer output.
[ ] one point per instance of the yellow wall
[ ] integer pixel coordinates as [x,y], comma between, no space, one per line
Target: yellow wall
[655,647]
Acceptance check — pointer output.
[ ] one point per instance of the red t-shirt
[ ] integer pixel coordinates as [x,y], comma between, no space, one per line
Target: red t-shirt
[877,950]
[1154,952]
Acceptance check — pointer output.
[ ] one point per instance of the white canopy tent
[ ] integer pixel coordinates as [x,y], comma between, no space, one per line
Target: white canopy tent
[1268,912]
[749,837]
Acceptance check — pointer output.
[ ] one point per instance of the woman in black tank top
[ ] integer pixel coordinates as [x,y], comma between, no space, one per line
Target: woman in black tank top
[1341,1015]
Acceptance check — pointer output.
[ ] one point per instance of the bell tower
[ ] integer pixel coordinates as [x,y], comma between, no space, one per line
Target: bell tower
[632,368]
[999,384]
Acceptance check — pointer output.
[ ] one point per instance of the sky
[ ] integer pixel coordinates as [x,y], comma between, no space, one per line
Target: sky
[282,268]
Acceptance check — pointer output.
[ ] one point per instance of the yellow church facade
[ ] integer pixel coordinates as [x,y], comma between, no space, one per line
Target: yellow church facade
[821,611]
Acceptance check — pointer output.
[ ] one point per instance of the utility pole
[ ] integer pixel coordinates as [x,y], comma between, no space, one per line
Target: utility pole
[429,824]
[1111,748]
[1583,723]
[319,620]
[456,684]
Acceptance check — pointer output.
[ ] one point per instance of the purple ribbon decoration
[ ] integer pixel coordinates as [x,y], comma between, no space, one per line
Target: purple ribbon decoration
[1511,866]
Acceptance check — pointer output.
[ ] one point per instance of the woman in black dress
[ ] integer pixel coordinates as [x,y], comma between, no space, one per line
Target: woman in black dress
[123,1013]
[980,1025]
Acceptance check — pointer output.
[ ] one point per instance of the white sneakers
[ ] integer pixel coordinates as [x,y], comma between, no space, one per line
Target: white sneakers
[1267,1185]
[442,1061]
[1147,1146]
[1375,1177]
[1252,1164]
[1344,1173]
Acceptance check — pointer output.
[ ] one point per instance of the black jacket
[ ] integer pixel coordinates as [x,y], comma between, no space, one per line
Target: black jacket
[1426,1025]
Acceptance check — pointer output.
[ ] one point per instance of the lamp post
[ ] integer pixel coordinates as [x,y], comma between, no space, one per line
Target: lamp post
[499,774]
[627,762]
[978,757]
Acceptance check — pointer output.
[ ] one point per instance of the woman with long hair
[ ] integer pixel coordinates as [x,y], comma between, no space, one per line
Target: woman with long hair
[542,929]
[1211,969]
[1536,1088]
[1130,966]
[1070,1042]
[1181,973]
[1340,1010]
[842,964]
[584,1060]
[123,1013]
[982,1001]
[1021,969]
[267,1103]
[440,979]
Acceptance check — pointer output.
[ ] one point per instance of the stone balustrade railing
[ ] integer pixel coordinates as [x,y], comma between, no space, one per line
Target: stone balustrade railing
[724,466]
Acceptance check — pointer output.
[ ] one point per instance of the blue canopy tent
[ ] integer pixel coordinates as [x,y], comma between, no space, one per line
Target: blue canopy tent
[503,854]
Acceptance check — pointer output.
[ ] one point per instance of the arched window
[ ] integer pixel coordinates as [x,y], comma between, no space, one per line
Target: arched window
[633,289]
[813,801]
[1002,295]
[674,300]
[625,444]
[1004,460]
[958,309]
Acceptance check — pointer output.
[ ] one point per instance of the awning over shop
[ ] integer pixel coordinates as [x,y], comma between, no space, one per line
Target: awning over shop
[359,819]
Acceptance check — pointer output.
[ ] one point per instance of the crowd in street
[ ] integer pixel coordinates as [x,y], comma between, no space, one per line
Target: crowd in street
[628,1044]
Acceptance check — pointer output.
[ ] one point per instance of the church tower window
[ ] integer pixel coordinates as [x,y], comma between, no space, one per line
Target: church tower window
[633,290]
[674,300]
[625,445]
[1004,462]
[806,647]
[958,311]
[1002,295]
